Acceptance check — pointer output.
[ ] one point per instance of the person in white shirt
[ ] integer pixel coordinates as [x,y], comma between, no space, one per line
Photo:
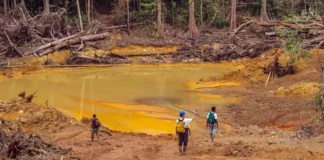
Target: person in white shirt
[183,136]
[212,123]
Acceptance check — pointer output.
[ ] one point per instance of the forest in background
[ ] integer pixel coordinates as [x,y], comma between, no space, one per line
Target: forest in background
[41,27]
[177,13]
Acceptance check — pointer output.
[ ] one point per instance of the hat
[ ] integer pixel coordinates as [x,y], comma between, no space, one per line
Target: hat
[182,113]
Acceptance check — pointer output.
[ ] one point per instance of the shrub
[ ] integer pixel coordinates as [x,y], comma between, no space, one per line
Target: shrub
[293,46]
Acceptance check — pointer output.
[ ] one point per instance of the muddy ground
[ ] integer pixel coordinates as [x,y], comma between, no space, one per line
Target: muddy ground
[266,124]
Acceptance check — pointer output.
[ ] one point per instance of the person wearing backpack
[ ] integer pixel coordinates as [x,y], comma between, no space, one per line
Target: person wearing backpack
[182,130]
[212,123]
[95,124]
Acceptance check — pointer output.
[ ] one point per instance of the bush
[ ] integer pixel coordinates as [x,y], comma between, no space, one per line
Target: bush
[293,46]
[304,18]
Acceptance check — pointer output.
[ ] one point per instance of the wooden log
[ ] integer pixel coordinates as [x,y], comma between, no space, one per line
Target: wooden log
[268,79]
[291,25]
[316,32]
[74,41]
[96,59]
[314,40]
[316,24]
[270,33]
[267,24]
[303,28]
[37,150]
[121,26]
[52,44]
[320,44]
[85,57]
[241,26]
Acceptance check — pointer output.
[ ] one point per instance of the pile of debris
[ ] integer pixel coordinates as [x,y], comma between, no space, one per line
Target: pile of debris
[40,119]
[16,145]
[277,70]
[23,34]
[20,31]
[252,38]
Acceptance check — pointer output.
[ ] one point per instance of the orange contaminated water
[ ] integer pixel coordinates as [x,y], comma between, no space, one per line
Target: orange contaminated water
[139,98]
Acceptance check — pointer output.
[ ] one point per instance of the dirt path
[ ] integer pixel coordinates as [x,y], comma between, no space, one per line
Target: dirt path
[241,143]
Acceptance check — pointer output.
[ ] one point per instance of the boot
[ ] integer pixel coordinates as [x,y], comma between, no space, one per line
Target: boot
[184,150]
[180,150]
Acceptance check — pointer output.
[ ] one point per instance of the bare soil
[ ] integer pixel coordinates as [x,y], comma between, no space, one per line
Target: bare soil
[262,126]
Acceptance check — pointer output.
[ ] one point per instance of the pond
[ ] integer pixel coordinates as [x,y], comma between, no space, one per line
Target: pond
[136,98]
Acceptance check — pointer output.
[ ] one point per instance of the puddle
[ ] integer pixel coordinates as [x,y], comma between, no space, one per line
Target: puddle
[127,98]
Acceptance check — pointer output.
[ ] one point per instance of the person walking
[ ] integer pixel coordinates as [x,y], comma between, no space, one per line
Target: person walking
[182,130]
[212,123]
[95,124]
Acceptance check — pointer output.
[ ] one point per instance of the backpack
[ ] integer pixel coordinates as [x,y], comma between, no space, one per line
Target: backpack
[180,127]
[98,124]
[211,118]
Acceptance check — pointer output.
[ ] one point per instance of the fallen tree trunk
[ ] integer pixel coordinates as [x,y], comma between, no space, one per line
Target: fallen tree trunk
[122,26]
[241,26]
[270,33]
[51,44]
[107,59]
[72,41]
[95,59]
[318,39]
[316,24]
[316,32]
[302,28]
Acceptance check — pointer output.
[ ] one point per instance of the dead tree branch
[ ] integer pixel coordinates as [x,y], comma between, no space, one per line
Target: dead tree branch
[14,46]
